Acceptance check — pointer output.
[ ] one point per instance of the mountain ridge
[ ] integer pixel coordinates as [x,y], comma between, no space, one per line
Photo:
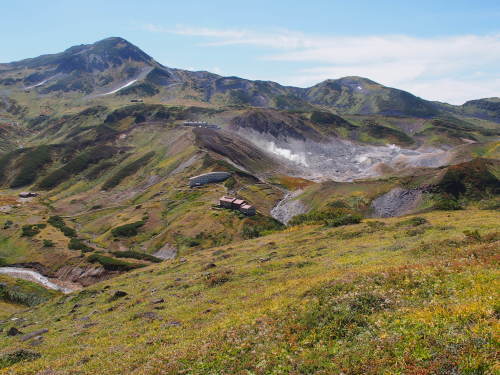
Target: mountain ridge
[116,66]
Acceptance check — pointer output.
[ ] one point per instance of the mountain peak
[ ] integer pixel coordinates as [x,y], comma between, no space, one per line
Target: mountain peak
[348,80]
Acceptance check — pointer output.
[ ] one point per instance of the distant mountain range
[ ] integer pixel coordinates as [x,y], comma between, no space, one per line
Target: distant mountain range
[114,66]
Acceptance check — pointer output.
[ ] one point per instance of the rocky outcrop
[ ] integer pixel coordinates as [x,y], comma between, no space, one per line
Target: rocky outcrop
[166,252]
[84,275]
[289,207]
[396,202]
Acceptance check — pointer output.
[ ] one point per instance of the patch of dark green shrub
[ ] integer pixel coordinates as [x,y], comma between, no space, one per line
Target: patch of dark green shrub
[136,255]
[414,221]
[48,243]
[58,222]
[376,224]
[32,162]
[76,165]
[127,170]
[447,204]
[78,244]
[127,230]
[333,316]
[112,264]
[377,131]
[347,219]
[30,230]
[230,183]
[98,170]
[258,225]
[490,204]
[16,356]
[5,163]
[471,179]
[331,217]
[24,292]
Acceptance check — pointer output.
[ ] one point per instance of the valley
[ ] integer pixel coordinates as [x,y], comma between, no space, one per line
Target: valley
[373,248]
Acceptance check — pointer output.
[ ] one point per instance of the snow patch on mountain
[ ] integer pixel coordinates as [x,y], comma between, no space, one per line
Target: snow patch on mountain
[119,88]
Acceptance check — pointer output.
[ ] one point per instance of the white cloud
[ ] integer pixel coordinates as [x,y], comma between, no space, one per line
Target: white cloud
[452,68]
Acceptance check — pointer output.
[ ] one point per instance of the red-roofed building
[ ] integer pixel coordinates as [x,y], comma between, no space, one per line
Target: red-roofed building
[237,203]
[226,202]
[247,209]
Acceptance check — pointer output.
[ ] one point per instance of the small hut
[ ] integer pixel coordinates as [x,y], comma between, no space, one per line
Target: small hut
[27,194]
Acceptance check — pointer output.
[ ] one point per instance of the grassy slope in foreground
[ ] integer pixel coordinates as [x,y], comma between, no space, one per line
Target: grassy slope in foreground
[393,296]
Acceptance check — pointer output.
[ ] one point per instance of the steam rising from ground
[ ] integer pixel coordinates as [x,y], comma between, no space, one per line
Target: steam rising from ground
[298,158]
[344,160]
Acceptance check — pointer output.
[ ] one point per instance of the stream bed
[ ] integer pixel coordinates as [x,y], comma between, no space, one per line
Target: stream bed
[36,277]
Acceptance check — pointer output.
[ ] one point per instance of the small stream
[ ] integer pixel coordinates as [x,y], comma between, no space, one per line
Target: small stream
[34,276]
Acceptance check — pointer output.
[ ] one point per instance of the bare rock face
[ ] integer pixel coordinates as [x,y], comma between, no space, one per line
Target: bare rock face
[288,207]
[166,252]
[85,276]
[396,202]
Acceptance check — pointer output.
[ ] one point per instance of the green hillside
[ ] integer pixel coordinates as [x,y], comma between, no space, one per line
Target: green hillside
[391,295]
[373,248]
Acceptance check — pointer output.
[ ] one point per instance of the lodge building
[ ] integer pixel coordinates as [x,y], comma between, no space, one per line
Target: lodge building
[237,204]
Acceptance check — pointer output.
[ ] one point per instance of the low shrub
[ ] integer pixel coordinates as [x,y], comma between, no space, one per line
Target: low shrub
[447,204]
[58,222]
[23,292]
[112,264]
[98,170]
[490,204]
[230,183]
[32,163]
[414,221]
[16,356]
[7,224]
[331,217]
[258,226]
[76,165]
[48,243]
[472,235]
[31,230]
[136,255]
[68,232]
[127,230]
[127,170]
[344,220]
[78,244]
[376,224]
[218,278]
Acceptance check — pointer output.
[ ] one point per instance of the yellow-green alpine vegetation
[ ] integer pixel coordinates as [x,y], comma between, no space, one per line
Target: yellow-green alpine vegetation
[156,220]
[410,295]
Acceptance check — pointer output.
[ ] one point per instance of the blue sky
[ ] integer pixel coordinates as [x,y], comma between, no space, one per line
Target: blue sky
[446,50]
